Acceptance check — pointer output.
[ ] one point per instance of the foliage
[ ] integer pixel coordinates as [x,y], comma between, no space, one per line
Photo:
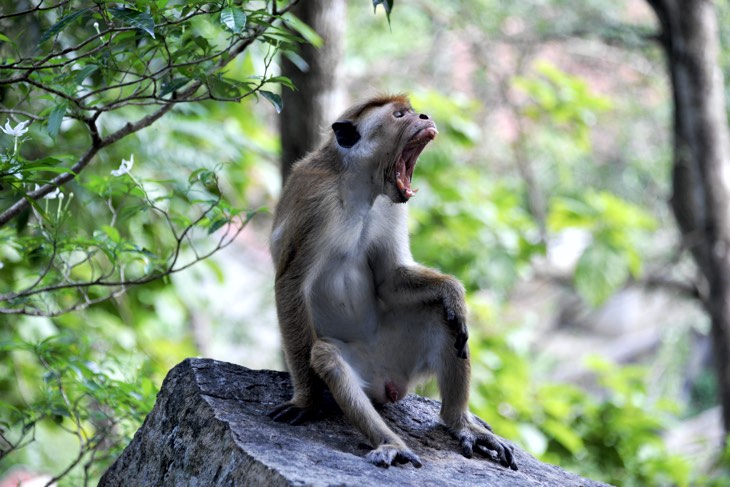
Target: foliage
[85,394]
[563,100]
[92,205]
[79,267]
[615,227]
[480,228]
[96,74]
[482,231]
[612,438]
[487,244]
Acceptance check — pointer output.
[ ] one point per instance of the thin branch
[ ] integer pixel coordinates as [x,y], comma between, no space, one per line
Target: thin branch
[226,239]
[14,111]
[37,8]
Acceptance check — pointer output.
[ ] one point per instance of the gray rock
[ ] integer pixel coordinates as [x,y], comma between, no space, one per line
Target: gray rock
[209,427]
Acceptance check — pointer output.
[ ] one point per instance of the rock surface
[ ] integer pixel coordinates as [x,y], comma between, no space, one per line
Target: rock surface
[209,427]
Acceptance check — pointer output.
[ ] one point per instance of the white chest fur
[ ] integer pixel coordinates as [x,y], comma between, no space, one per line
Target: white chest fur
[341,291]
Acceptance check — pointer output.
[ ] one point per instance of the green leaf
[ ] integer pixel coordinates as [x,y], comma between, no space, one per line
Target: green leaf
[55,119]
[215,225]
[84,73]
[58,27]
[234,19]
[297,61]
[387,5]
[274,99]
[309,34]
[135,18]
[282,80]
[112,233]
[171,85]
[222,88]
[54,169]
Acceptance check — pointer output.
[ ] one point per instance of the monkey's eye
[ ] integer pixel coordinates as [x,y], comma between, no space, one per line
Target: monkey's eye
[398,114]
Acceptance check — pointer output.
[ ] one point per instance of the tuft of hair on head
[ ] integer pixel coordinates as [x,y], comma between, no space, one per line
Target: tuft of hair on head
[377,101]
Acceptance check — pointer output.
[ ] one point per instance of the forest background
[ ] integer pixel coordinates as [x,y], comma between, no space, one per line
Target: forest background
[144,148]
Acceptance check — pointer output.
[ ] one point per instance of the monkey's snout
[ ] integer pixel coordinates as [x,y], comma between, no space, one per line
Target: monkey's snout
[423,116]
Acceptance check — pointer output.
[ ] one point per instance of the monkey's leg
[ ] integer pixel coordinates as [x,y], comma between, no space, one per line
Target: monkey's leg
[308,388]
[344,385]
[471,431]
[305,404]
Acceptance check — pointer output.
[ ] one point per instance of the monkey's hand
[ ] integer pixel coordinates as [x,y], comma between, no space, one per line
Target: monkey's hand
[290,412]
[455,314]
[475,434]
[392,454]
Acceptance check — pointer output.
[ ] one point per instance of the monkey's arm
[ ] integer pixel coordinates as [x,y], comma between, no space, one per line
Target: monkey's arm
[417,285]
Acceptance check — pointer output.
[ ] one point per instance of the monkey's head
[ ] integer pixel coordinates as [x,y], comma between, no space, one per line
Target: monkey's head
[384,136]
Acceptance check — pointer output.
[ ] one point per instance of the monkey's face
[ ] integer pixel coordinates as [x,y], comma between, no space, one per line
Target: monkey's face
[387,136]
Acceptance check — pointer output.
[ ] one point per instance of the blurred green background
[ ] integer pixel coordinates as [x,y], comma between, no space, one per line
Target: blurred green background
[545,193]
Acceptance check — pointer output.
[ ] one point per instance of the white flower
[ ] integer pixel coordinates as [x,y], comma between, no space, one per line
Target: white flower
[17,131]
[124,167]
[56,193]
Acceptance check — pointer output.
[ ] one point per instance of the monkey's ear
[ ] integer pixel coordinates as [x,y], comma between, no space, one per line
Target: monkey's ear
[346,133]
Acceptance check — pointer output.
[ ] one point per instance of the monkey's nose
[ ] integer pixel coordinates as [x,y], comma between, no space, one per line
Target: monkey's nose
[423,116]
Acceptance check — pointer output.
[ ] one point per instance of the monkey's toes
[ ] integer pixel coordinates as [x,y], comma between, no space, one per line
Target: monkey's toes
[505,453]
[485,444]
[387,455]
[292,414]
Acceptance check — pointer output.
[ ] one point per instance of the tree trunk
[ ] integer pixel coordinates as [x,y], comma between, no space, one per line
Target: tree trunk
[317,98]
[701,179]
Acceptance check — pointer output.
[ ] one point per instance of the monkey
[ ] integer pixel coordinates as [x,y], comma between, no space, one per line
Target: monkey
[357,314]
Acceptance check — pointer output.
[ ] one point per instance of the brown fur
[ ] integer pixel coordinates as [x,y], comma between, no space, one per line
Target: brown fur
[356,313]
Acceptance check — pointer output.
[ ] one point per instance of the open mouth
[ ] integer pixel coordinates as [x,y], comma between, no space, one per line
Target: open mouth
[406,162]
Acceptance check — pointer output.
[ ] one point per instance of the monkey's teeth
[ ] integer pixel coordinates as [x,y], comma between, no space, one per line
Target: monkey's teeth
[399,182]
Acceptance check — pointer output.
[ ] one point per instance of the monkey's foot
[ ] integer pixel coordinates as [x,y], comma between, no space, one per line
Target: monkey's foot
[474,436]
[289,412]
[387,455]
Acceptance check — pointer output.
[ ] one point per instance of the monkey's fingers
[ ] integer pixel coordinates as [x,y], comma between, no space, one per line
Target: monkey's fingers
[387,455]
[505,453]
[460,344]
[408,456]
[456,322]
